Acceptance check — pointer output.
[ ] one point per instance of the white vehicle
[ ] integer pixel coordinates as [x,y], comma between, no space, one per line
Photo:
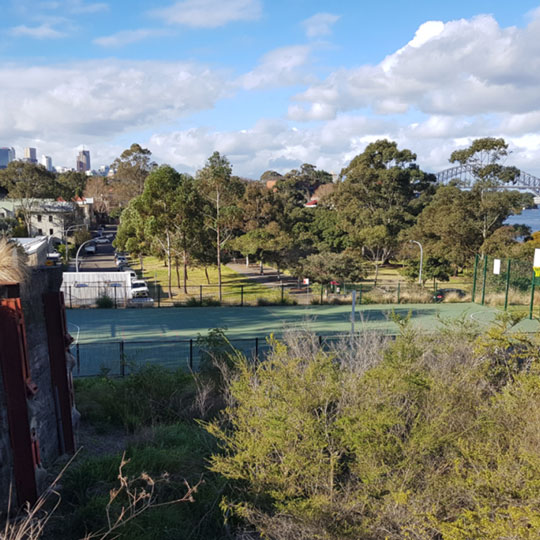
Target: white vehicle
[101,240]
[121,261]
[132,275]
[139,289]
[90,249]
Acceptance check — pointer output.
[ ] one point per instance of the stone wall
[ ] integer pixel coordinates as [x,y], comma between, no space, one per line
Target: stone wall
[42,415]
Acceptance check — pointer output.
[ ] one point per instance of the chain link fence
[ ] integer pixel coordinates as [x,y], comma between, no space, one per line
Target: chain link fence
[120,358]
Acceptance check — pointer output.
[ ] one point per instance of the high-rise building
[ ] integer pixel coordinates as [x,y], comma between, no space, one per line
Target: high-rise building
[30,155]
[83,161]
[6,156]
[46,161]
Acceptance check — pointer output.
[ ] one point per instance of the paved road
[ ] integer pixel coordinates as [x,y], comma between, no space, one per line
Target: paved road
[101,261]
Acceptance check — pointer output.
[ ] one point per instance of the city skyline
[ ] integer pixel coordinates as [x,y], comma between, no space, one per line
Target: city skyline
[269,84]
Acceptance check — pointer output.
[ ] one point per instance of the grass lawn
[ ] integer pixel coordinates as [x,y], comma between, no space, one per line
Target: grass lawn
[155,273]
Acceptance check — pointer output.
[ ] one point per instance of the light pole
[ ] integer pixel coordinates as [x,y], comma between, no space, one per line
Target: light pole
[78,251]
[421,260]
[70,228]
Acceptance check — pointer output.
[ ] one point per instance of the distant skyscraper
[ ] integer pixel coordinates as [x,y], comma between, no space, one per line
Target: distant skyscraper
[30,155]
[83,161]
[46,161]
[6,155]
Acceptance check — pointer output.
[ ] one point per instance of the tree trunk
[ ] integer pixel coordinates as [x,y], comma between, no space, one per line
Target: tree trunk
[376,273]
[185,271]
[141,260]
[169,274]
[247,261]
[261,267]
[206,274]
[177,272]
[218,231]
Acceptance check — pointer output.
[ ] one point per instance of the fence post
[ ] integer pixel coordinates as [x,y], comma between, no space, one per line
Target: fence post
[78,356]
[70,303]
[115,306]
[320,340]
[532,295]
[474,277]
[484,279]
[191,354]
[241,296]
[321,293]
[507,285]
[257,348]
[200,295]
[158,297]
[122,359]
[398,291]
[360,294]
[282,291]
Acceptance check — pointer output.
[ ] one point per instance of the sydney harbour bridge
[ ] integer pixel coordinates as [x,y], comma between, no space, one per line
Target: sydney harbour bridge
[464,173]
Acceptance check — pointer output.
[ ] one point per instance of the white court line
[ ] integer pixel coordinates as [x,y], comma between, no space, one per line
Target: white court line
[472,316]
[78,332]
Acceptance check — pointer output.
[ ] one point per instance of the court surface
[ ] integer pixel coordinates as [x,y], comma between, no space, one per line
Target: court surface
[91,325]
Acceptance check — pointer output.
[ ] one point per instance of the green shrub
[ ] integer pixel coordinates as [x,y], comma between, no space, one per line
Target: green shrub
[104,301]
[426,437]
[149,396]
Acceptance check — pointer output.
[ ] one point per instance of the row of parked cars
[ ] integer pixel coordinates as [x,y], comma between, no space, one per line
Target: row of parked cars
[140,295]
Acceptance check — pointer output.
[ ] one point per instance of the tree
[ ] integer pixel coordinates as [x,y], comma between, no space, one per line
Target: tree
[131,235]
[382,192]
[222,191]
[71,184]
[268,242]
[27,183]
[131,170]
[326,267]
[158,200]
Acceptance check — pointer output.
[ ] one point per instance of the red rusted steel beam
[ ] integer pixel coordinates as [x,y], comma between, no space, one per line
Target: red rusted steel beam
[59,341]
[17,387]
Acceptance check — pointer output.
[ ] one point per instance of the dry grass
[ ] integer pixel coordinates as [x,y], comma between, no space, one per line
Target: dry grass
[13,268]
[515,298]
[130,499]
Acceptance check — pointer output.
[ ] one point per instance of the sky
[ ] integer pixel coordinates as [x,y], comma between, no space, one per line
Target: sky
[271,84]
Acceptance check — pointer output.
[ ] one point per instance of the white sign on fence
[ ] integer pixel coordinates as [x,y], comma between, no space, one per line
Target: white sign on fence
[536,263]
[497,266]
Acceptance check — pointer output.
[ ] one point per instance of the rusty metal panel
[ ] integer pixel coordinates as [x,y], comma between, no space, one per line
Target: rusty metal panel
[59,341]
[17,387]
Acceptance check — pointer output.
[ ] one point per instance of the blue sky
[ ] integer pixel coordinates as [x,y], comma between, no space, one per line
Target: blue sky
[270,83]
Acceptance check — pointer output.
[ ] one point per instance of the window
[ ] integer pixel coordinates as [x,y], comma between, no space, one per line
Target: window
[51,232]
[40,232]
[39,218]
[50,219]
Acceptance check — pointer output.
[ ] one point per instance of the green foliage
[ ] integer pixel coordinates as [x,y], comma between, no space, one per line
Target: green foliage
[149,396]
[431,437]
[326,267]
[104,301]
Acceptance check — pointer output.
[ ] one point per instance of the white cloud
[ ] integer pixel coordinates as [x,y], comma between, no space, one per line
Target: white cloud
[320,24]
[280,67]
[125,37]
[43,31]
[99,100]
[209,13]
[460,67]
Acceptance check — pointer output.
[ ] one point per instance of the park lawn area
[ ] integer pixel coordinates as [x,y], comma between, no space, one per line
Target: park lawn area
[155,273]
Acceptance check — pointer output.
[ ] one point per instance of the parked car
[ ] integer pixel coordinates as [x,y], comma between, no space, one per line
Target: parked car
[139,289]
[441,294]
[90,249]
[143,301]
[102,240]
[121,261]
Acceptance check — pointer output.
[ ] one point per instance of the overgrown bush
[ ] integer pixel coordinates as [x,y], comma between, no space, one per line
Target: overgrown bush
[104,301]
[146,397]
[431,437]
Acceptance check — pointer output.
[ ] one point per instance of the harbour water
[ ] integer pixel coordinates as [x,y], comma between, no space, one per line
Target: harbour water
[529,217]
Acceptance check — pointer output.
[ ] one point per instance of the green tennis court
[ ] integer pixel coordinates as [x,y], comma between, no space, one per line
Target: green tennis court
[91,325]
[119,340]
